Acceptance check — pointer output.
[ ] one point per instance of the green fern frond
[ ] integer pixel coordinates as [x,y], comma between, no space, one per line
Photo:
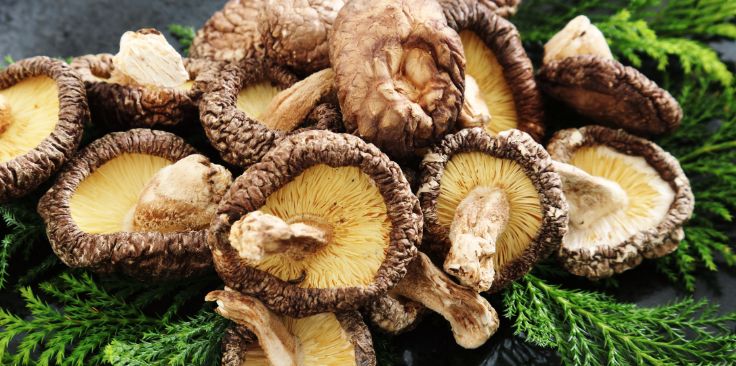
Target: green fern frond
[184,35]
[589,328]
[23,230]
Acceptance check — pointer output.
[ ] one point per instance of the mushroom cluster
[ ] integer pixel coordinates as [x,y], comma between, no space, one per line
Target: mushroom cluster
[387,164]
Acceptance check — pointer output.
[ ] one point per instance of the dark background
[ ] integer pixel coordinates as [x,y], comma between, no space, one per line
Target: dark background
[74,27]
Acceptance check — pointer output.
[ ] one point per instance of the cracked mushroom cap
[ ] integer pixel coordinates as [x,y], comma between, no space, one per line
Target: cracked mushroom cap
[87,208]
[500,72]
[399,73]
[580,71]
[295,32]
[231,34]
[645,223]
[43,110]
[146,84]
[248,108]
[323,223]
[526,216]
[464,9]
[322,340]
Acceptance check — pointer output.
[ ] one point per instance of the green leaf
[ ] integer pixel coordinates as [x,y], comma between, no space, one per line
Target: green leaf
[183,34]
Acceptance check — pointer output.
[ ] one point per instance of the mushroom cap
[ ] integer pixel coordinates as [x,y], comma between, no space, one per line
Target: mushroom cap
[240,138]
[238,340]
[293,156]
[23,173]
[652,242]
[611,93]
[457,10]
[231,34]
[515,146]
[503,40]
[399,73]
[295,32]
[145,255]
[130,106]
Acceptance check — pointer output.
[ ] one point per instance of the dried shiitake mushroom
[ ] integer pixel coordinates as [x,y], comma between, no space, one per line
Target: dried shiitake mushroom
[295,32]
[250,106]
[399,73]
[500,90]
[110,211]
[628,200]
[324,223]
[472,319]
[146,84]
[261,337]
[580,71]
[43,110]
[493,206]
[231,34]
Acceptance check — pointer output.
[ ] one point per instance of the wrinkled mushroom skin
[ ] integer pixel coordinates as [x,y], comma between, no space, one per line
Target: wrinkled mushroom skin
[502,38]
[513,145]
[241,139]
[393,315]
[124,106]
[238,338]
[281,165]
[231,34]
[399,73]
[611,93]
[295,32]
[652,243]
[144,255]
[457,10]
[24,173]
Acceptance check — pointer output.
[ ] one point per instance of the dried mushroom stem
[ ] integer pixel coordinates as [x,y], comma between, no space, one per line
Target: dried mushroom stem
[281,347]
[291,106]
[589,197]
[480,219]
[394,315]
[475,111]
[5,115]
[146,58]
[471,317]
[579,37]
[258,235]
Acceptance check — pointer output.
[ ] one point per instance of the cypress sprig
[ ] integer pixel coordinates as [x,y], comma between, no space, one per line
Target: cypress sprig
[23,229]
[184,35]
[590,328]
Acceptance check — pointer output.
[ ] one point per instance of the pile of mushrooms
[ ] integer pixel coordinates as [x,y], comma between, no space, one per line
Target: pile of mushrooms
[325,111]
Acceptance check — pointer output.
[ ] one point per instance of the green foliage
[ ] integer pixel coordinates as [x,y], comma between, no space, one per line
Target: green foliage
[590,328]
[191,342]
[183,34]
[23,230]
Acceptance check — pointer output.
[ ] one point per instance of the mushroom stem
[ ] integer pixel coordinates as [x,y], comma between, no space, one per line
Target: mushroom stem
[588,196]
[472,318]
[258,235]
[291,106]
[394,315]
[281,347]
[5,116]
[475,112]
[579,37]
[146,58]
[479,220]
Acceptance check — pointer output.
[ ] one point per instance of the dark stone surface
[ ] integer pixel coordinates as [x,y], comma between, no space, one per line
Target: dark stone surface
[74,27]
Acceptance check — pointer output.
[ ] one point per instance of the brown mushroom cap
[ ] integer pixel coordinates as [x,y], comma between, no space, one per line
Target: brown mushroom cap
[501,38]
[520,150]
[239,341]
[139,254]
[611,93]
[662,238]
[302,153]
[128,106]
[295,32]
[398,71]
[23,171]
[240,138]
[456,10]
[231,34]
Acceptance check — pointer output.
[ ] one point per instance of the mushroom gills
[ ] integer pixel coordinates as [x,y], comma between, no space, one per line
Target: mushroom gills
[647,198]
[104,201]
[475,173]
[483,66]
[29,112]
[254,99]
[344,213]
